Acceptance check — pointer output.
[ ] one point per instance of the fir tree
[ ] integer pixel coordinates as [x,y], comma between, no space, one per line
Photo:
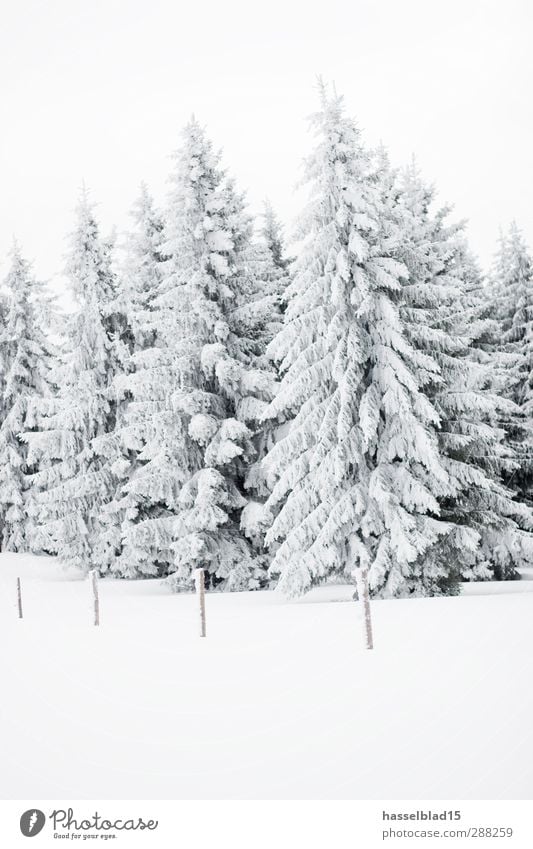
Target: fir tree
[358,475]
[197,383]
[143,267]
[511,299]
[26,359]
[445,315]
[77,480]
[139,388]
[261,312]
[272,236]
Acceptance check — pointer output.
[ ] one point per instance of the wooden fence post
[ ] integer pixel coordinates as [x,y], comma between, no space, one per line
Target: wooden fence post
[199,578]
[19,598]
[94,584]
[361,577]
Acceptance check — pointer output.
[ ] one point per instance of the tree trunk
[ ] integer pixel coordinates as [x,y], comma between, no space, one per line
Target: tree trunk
[200,590]
[94,583]
[19,598]
[361,577]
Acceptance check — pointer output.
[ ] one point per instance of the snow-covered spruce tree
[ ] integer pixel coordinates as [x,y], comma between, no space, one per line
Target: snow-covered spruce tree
[107,445]
[446,316]
[261,303]
[142,268]
[261,313]
[199,379]
[511,298]
[272,235]
[26,359]
[3,351]
[357,477]
[210,239]
[141,389]
[77,480]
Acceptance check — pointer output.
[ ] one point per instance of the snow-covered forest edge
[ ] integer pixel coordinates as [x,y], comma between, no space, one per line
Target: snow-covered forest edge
[360,401]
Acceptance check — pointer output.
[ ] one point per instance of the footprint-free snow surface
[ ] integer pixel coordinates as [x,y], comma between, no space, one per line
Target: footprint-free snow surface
[281,700]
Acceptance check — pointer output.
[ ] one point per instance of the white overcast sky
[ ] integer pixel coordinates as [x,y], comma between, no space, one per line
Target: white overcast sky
[97,90]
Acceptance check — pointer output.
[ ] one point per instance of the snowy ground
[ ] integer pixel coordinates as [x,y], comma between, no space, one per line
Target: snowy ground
[280,701]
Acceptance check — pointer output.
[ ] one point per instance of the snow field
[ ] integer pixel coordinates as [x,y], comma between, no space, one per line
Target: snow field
[280,701]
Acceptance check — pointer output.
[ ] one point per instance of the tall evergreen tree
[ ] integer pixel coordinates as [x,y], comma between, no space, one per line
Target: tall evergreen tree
[77,480]
[4,348]
[260,305]
[511,299]
[138,387]
[143,267]
[26,360]
[196,382]
[358,476]
[261,312]
[273,238]
[445,316]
